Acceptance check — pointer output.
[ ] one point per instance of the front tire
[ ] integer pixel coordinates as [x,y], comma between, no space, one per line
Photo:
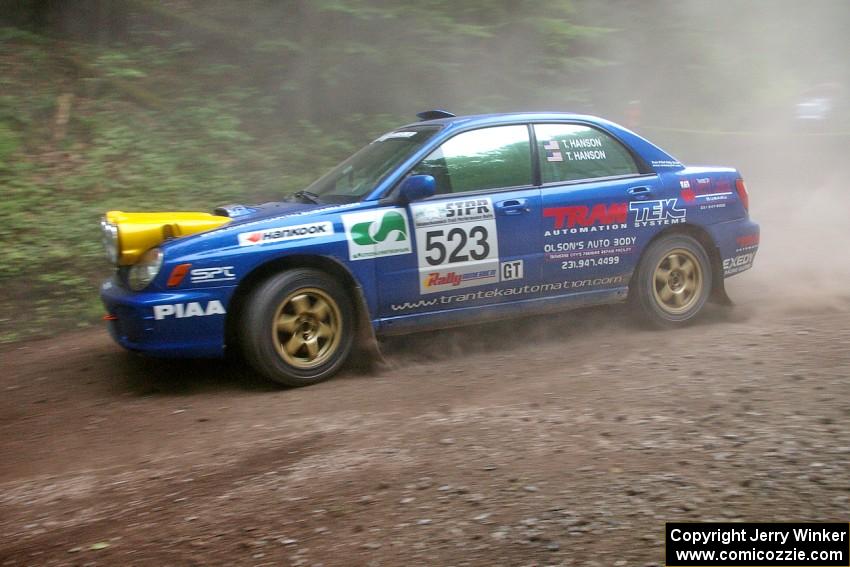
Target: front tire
[673,281]
[298,327]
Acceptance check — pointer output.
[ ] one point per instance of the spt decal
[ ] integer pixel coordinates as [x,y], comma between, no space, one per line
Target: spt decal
[215,274]
[373,234]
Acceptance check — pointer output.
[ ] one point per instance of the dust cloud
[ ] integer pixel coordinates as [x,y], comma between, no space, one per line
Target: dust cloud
[762,87]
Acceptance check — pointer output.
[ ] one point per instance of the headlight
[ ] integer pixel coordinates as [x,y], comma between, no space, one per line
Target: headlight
[110,239]
[145,270]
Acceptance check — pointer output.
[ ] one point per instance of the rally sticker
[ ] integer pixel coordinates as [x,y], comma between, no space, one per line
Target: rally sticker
[457,244]
[378,233]
[281,234]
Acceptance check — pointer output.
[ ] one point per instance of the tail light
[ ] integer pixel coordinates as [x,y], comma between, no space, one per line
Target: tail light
[742,193]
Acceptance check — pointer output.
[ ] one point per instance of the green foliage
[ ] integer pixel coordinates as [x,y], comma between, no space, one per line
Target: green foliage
[9,144]
[204,103]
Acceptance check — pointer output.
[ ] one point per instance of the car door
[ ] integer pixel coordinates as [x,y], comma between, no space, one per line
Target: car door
[477,236]
[593,190]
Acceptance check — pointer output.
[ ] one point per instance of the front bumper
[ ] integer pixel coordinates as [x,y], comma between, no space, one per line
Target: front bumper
[168,324]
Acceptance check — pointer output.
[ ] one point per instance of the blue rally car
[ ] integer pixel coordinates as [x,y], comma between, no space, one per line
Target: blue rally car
[445,222]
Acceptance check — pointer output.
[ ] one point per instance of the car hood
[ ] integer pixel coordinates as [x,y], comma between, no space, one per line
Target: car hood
[139,232]
[239,213]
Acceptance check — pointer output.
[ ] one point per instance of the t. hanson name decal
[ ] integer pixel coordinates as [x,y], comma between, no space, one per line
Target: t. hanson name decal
[281,234]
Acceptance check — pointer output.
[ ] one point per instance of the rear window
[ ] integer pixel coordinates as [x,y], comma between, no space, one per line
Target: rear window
[570,152]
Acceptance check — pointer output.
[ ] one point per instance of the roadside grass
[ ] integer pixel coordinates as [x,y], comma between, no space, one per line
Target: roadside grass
[72,147]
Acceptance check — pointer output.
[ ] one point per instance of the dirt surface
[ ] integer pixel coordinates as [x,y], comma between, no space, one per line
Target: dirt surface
[560,440]
[564,441]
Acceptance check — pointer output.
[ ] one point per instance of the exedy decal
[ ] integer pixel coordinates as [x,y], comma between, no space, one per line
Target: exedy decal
[377,233]
[738,263]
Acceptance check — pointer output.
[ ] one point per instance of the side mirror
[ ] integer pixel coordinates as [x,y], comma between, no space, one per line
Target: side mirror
[417,187]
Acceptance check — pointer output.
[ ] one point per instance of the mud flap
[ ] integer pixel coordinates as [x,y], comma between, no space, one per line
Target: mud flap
[367,351]
[718,292]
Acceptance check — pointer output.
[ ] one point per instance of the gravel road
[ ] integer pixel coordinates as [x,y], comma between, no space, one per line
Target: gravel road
[561,440]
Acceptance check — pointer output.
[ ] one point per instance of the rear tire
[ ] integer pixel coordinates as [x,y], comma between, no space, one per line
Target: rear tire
[297,327]
[672,282]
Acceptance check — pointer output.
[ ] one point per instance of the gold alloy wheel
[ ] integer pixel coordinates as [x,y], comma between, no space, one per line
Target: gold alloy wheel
[678,281]
[306,328]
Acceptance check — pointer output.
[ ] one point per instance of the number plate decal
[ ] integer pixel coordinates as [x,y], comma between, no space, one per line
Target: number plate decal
[457,244]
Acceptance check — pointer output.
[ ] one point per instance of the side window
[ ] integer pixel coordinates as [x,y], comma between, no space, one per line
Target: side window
[574,151]
[488,158]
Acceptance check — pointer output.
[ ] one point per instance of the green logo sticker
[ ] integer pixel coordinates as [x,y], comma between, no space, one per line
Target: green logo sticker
[391,222]
[377,233]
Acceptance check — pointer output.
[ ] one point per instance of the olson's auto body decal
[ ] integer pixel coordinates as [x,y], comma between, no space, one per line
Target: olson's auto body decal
[572,233]
[377,233]
[457,244]
[270,235]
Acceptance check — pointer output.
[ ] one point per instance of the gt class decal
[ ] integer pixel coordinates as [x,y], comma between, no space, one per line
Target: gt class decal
[281,234]
[456,244]
[378,233]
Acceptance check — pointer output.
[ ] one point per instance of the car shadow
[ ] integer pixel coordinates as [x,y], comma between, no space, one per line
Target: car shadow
[144,376]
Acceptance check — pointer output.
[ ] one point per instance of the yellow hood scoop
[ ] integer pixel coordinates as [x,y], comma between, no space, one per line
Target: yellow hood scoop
[139,232]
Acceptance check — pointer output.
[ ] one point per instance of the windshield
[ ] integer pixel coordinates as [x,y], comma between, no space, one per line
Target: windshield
[358,175]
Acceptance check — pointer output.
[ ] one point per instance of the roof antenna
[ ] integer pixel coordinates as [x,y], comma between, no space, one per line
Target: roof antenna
[434,114]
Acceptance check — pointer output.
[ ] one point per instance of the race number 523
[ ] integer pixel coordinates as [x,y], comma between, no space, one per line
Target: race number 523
[455,245]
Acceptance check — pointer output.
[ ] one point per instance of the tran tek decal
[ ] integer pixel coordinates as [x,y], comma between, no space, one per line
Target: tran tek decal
[654,213]
[580,218]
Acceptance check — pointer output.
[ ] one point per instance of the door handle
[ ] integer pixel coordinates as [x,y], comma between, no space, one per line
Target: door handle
[639,193]
[513,206]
